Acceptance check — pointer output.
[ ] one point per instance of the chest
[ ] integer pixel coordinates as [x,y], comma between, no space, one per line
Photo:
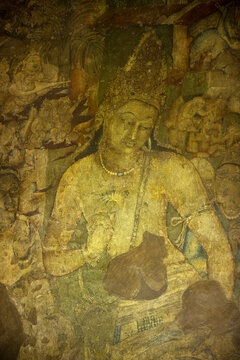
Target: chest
[131,205]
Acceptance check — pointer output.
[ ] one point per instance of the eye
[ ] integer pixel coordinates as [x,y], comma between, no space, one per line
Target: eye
[197,116]
[127,121]
[222,174]
[235,178]
[145,128]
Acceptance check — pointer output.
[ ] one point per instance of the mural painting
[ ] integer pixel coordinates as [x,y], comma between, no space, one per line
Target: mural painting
[120,180]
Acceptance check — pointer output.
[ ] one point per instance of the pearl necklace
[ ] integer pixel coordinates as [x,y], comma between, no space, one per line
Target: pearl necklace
[120,173]
[228,216]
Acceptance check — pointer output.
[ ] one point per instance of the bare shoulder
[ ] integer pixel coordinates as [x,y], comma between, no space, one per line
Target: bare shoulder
[83,164]
[78,171]
[169,159]
[180,179]
[174,168]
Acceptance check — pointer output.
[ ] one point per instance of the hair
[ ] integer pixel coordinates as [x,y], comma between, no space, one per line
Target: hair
[205,305]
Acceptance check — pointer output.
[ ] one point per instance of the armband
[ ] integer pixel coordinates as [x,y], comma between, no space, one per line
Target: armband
[185,220]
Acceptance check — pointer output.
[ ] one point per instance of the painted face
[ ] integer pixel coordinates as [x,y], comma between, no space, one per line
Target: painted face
[227,187]
[8,200]
[33,64]
[130,126]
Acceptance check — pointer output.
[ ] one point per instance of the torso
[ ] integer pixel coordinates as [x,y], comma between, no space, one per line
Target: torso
[116,199]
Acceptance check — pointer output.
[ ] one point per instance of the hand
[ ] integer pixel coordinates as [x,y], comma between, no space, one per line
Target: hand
[100,231]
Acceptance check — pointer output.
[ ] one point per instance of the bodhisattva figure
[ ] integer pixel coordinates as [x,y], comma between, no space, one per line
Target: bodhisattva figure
[133,277]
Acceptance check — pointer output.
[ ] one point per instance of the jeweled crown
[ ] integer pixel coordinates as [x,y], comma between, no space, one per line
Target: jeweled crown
[142,78]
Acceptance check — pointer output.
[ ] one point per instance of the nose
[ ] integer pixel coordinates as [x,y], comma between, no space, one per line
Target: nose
[10,203]
[133,132]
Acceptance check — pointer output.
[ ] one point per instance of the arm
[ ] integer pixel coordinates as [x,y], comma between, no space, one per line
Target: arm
[212,236]
[187,194]
[40,88]
[66,214]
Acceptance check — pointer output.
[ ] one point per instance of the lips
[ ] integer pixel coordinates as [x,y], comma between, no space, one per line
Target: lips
[129,143]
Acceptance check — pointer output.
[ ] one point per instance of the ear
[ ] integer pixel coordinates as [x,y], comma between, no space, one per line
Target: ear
[106,115]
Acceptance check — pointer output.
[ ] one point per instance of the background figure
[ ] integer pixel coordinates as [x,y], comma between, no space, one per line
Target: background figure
[9,197]
[227,184]
[227,190]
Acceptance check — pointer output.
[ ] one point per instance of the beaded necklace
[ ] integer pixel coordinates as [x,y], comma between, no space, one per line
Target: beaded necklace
[119,173]
[228,216]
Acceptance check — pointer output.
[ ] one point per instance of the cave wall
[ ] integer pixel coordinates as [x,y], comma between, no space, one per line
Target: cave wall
[57,61]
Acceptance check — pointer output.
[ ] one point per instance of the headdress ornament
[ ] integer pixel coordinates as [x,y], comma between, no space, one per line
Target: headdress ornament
[142,78]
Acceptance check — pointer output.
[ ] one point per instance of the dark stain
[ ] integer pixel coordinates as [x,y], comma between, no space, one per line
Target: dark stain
[200,11]
[11,329]
[32,316]
[204,304]
[140,273]
[149,15]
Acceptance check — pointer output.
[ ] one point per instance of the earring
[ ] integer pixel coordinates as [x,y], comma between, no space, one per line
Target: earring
[149,144]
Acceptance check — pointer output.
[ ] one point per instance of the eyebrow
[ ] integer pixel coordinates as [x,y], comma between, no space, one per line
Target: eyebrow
[127,113]
[227,163]
[130,113]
